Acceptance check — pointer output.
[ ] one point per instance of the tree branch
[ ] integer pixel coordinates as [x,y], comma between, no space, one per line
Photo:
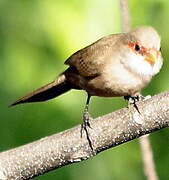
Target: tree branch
[147,154]
[125,16]
[68,147]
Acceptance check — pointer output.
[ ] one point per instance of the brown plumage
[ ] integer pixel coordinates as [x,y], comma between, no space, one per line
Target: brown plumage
[50,90]
[116,65]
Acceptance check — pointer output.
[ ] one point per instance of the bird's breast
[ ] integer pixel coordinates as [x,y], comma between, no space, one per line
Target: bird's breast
[116,80]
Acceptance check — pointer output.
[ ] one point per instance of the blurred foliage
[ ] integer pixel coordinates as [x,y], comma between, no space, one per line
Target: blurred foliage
[35,39]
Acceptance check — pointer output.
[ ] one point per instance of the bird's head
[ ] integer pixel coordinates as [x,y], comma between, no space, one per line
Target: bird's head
[144,56]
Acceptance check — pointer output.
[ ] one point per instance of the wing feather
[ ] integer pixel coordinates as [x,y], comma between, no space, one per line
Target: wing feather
[90,60]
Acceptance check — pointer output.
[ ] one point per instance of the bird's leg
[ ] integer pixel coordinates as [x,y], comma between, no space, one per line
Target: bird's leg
[86,120]
[86,115]
[133,99]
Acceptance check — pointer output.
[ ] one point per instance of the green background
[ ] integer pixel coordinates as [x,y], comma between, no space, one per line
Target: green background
[36,37]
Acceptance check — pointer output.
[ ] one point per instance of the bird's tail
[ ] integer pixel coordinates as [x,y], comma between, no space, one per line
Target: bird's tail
[49,91]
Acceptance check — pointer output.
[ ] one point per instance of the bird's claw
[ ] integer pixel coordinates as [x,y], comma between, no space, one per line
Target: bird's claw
[86,122]
[133,99]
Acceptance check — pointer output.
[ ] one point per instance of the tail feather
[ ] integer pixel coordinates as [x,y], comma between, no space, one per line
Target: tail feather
[46,92]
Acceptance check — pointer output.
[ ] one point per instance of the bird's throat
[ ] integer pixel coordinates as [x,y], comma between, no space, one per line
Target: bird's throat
[138,65]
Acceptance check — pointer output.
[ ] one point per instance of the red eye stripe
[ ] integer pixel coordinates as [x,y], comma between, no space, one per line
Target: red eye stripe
[142,49]
[131,44]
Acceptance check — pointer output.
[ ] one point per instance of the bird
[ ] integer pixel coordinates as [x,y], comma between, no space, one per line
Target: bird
[116,65]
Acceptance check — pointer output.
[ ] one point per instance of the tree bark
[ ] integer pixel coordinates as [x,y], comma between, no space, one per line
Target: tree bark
[68,147]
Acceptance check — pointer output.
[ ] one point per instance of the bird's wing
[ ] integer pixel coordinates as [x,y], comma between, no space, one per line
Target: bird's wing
[90,60]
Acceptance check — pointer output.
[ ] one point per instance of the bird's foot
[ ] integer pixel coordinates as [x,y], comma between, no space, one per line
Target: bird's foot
[133,99]
[86,120]
[86,123]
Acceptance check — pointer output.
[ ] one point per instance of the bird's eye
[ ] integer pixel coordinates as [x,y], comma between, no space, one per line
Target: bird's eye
[137,47]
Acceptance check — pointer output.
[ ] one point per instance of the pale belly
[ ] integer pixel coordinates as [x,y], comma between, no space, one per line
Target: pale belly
[120,85]
[110,83]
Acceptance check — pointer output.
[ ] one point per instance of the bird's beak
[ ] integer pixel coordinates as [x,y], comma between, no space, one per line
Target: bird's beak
[151,56]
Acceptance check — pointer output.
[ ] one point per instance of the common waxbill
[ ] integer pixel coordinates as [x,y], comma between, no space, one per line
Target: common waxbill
[115,65]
